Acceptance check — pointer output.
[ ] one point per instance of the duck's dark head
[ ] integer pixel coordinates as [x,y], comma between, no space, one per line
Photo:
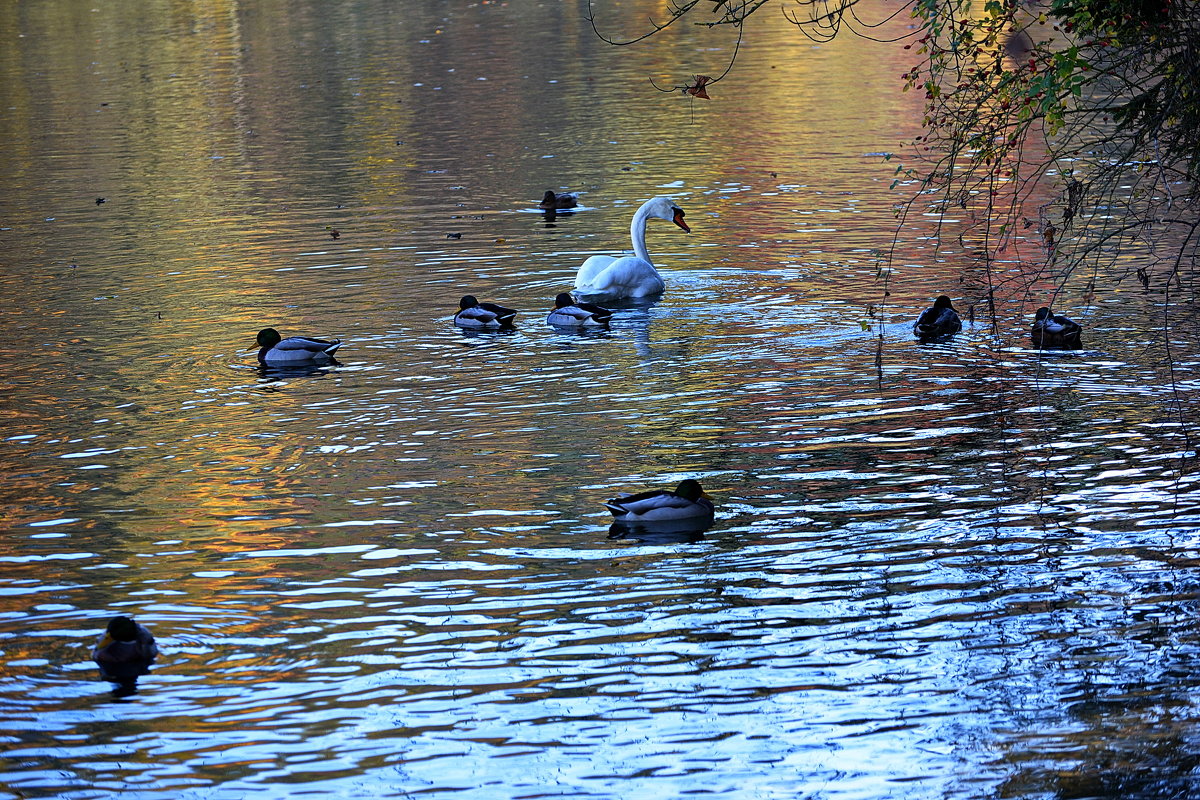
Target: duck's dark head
[468,301]
[268,338]
[689,489]
[122,628]
[549,198]
[563,299]
[1042,313]
[943,301]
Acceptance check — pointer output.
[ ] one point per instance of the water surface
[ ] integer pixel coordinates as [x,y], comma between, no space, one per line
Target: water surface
[968,572]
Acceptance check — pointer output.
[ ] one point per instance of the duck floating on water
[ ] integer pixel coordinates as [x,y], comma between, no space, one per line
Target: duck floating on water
[630,276]
[940,319]
[298,350]
[474,314]
[559,201]
[570,313]
[1054,331]
[687,503]
[124,653]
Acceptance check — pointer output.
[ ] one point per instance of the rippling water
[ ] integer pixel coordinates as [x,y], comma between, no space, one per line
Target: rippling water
[967,572]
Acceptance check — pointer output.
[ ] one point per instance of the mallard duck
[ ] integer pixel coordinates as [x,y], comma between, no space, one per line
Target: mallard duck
[552,200]
[474,314]
[630,276]
[274,349]
[568,313]
[124,653]
[1052,330]
[940,319]
[687,502]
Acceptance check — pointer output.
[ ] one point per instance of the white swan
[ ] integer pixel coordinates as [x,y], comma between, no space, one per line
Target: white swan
[630,276]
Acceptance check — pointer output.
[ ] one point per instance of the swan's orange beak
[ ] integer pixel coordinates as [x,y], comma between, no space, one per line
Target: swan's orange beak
[678,220]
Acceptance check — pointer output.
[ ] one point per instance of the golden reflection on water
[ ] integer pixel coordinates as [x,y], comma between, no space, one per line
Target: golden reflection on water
[397,559]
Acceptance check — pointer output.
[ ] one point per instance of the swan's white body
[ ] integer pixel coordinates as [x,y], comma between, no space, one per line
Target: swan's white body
[635,275]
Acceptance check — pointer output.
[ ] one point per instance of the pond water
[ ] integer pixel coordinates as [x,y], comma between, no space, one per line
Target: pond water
[969,572]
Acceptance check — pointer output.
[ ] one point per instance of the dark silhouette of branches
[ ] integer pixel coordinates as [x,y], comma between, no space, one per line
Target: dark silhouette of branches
[1064,139]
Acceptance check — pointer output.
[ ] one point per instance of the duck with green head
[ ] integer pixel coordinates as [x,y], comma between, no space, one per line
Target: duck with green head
[1054,331]
[688,502]
[940,319]
[561,200]
[477,315]
[274,350]
[124,653]
[571,313]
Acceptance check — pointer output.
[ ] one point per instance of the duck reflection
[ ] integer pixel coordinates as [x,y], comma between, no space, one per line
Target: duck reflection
[494,333]
[672,532]
[551,215]
[271,373]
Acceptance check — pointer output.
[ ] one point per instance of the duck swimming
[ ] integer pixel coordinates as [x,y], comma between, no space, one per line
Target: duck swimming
[274,349]
[687,502]
[551,200]
[635,275]
[474,314]
[940,319]
[1054,331]
[124,653]
[569,313]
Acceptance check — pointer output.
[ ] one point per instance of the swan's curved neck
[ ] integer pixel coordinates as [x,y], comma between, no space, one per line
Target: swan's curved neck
[637,232]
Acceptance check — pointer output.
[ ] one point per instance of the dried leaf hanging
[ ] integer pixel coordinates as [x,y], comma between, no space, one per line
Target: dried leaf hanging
[697,90]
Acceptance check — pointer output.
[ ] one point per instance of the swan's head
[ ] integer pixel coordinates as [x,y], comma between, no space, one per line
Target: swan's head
[563,299]
[268,337]
[665,208]
[942,302]
[468,301]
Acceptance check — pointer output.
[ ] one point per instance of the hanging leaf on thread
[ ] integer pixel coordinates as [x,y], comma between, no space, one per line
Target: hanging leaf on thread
[697,89]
